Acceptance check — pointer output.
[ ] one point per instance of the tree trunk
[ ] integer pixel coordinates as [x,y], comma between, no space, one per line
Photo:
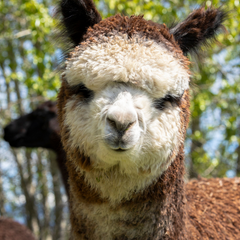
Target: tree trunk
[42,181]
[7,85]
[2,196]
[28,191]
[194,146]
[57,195]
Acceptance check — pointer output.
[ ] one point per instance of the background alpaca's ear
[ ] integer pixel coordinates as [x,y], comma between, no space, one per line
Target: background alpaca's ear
[199,27]
[77,17]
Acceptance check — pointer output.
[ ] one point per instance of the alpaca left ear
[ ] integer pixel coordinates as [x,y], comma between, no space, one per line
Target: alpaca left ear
[77,17]
[198,28]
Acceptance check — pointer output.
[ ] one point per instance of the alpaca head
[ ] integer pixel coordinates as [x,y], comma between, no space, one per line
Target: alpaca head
[36,129]
[124,100]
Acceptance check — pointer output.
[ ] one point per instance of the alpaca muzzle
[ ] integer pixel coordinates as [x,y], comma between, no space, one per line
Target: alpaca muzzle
[122,128]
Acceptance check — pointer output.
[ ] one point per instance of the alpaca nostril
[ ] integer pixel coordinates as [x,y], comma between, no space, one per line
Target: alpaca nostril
[122,128]
[112,123]
[119,126]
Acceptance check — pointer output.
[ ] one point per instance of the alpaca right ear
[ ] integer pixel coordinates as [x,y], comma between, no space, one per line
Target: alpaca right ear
[77,17]
[198,28]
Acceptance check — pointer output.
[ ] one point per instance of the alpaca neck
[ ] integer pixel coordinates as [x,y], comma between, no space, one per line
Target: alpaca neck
[158,212]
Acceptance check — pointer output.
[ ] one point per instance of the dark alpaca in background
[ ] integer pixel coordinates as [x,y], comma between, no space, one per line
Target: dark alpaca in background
[39,128]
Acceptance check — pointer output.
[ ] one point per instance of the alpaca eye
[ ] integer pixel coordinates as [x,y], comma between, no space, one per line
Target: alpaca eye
[82,90]
[160,103]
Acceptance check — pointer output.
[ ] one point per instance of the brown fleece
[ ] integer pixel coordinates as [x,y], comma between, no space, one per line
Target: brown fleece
[11,230]
[213,208]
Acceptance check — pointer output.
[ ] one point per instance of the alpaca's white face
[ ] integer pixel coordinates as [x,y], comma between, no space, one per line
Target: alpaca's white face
[130,118]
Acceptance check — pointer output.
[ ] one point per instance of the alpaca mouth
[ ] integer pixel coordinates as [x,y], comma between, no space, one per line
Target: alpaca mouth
[120,150]
[118,145]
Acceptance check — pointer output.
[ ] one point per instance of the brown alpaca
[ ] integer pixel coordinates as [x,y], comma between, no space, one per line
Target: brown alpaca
[40,128]
[124,110]
[11,230]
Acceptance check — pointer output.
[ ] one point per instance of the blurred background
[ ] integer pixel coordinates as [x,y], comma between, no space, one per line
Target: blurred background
[31,189]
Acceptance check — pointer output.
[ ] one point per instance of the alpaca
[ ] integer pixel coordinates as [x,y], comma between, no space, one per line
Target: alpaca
[39,128]
[123,112]
[11,230]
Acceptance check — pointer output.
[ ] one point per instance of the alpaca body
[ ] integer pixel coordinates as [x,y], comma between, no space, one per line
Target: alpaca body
[209,212]
[123,111]
[213,208]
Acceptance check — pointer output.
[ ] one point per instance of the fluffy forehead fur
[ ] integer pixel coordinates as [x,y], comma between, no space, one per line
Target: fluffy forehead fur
[136,60]
[129,50]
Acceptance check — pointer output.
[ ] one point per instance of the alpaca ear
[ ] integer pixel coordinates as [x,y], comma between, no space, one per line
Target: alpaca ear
[198,28]
[77,17]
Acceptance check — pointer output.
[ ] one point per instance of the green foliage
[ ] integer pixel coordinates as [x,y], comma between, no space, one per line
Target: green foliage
[27,46]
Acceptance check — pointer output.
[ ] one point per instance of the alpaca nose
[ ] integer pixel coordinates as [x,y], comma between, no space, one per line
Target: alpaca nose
[121,119]
[120,127]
